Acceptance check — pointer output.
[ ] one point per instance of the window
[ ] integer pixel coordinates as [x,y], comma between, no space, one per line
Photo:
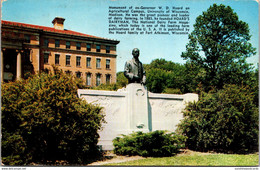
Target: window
[27,38]
[98,64]
[98,48]
[98,79]
[68,72]
[57,59]
[57,43]
[67,60]
[88,47]
[46,58]
[108,77]
[46,70]
[67,44]
[107,64]
[88,79]
[78,45]
[107,49]
[78,74]
[46,43]
[88,62]
[78,61]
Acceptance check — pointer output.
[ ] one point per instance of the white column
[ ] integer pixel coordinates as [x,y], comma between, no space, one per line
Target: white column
[137,107]
[19,66]
[2,66]
[39,62]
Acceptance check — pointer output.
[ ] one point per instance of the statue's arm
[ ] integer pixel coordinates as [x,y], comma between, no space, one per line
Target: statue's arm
[144,76]
[127,73]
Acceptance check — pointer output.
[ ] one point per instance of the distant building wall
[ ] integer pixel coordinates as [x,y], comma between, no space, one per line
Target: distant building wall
[33,48]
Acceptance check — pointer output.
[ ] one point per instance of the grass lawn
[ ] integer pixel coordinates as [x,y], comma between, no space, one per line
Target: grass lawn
[196,160]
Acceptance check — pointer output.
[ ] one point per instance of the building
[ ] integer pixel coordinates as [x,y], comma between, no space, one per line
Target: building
[32,48]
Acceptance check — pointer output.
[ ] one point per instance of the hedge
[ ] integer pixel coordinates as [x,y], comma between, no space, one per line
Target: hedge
[154,144]
[223,121]
[43,120]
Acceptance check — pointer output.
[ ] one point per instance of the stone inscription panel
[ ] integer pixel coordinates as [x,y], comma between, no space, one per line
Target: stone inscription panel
[152,20]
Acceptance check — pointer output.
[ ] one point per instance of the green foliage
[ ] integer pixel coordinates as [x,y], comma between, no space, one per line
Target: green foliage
[162,74]
[226,121]
[110,87]
[121,80]
[120,83]
[155,144]
[195,159]
[156,80]
[193,78]
[220,45]
[44,120]
[172,91]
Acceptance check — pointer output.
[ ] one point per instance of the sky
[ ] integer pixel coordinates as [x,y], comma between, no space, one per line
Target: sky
[91,17]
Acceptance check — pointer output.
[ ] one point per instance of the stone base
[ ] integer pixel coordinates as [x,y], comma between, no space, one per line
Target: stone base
[134,109]
[137,107]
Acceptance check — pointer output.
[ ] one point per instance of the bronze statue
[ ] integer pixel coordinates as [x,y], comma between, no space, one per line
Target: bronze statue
[134,71]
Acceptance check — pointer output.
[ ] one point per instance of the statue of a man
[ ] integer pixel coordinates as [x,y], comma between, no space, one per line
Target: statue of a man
[134,71]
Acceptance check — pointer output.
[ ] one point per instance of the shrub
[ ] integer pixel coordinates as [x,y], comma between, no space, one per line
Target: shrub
[156,80]
[155,144]
[171,91]
[225,121]
[110,87]
[121,82]
[44,120]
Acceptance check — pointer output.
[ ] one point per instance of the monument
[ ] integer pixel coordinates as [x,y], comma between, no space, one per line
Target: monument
[134,70]
[137,101]
[133,108]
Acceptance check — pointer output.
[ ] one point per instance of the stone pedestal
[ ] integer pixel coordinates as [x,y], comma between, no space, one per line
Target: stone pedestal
[134,109]
[137,107]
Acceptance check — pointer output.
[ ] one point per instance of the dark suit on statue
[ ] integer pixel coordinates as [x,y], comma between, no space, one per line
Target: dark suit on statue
[134,71]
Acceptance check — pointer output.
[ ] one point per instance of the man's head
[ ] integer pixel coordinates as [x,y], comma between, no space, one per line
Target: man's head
[135,53]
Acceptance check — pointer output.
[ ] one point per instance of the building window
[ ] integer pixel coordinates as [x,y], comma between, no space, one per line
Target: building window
[27,38]
[46,70]
[67,44]
[88,79]
[88,62]
[57,43]
[57,59]
[107,64]
[98,48]
[78,74]
[78,45]
[46,43]
[88,47]
[107,49]
[98,79]
[78,58]
[68,72]
[98,64]
[108,77]
[67,60]
[46,58]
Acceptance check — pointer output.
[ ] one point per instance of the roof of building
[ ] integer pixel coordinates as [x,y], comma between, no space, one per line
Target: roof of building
[50,29]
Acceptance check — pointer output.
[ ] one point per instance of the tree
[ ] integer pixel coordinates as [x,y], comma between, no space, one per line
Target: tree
[226,121]
[44,120]
[193,76]
[220,45]
[121,80]
[156,80]
[165,76]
